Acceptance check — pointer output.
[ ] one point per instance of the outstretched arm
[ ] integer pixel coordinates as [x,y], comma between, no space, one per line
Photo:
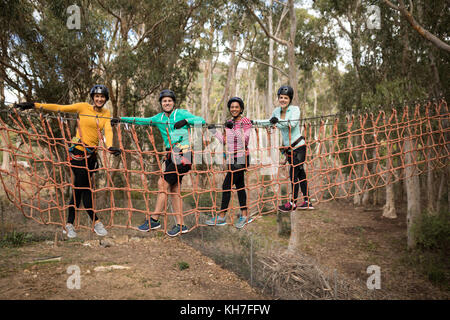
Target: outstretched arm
[192,119]
[140,121]
[76,107]
[267,122]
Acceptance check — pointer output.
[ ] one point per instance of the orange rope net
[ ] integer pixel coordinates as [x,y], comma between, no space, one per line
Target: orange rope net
[346,155]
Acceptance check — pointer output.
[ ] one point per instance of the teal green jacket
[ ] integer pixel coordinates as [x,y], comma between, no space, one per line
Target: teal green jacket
[289,127]
[165,124]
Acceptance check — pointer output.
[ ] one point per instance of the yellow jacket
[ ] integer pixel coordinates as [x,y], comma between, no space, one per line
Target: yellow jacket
[91,122]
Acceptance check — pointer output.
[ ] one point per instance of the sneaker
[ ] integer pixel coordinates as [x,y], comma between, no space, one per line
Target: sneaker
[100,229]
[287,207]
[154,224]
[70,231]
[217,221]
[176,230]
[242,221]
[306,205]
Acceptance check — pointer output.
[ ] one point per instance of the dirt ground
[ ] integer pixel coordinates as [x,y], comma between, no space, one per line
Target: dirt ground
[340,237]
[156,267]
[154,270]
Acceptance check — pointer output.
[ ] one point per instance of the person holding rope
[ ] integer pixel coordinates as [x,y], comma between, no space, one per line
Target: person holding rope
[83,150]
[287,118]
[172,123]
[237,135]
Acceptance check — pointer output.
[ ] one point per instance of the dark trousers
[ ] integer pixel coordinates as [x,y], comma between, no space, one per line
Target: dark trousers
[235,176]
[297,173]
[82,187]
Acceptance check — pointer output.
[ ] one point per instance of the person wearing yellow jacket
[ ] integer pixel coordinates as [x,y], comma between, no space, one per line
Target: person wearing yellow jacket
[82,152]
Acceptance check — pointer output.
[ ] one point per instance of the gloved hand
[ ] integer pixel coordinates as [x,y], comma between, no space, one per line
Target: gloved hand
[180,124]
[212,128]
[115,121]
[229,124]
[274,120]
[115,151]
[252,122]
[24,105]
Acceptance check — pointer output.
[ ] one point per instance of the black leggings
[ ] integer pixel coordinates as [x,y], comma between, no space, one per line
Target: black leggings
[235,176]
[297,173]
[82,187]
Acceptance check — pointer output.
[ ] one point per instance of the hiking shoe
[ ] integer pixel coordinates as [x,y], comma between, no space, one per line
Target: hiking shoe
[217,221]
[242,221]
[70,231]
[176,230]
[154,224]
[100,229]
[306,205]
[287,207]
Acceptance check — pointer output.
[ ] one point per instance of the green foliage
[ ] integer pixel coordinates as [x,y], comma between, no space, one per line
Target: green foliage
[391,64]
[182,265]
[313,44]
[433,244]
[15,239]
[433,231]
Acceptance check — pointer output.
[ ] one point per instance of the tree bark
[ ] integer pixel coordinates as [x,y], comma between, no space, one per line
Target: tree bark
[270,69]
[293,81]
[5,161]
[206,89]
[289,44]
[412,182]
[229,89]
[441,190]
[431,192]
[389,210]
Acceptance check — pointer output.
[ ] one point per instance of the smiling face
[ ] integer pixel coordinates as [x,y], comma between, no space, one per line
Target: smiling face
[283,100]
[167,104]
[235,109]
[99,100]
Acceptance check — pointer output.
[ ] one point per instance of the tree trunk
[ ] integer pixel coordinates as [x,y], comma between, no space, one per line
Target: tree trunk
[315,113]
[206,89]
[293,81]
[431,192]
[358,168]
[389,210]
[442,186]
[294,240]
[412,182]
[229,89]
[5,161]
[268,107]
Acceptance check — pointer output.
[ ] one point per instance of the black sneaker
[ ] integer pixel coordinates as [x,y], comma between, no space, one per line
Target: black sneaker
[154,224]
[176,230]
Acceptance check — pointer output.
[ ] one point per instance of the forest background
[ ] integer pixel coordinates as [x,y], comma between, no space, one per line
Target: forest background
[339,56]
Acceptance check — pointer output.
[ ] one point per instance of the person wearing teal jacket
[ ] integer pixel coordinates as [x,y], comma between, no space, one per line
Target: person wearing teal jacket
[173,124]
[287,118]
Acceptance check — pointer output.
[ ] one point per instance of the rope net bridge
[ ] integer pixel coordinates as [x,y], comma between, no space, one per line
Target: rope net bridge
[347,155]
